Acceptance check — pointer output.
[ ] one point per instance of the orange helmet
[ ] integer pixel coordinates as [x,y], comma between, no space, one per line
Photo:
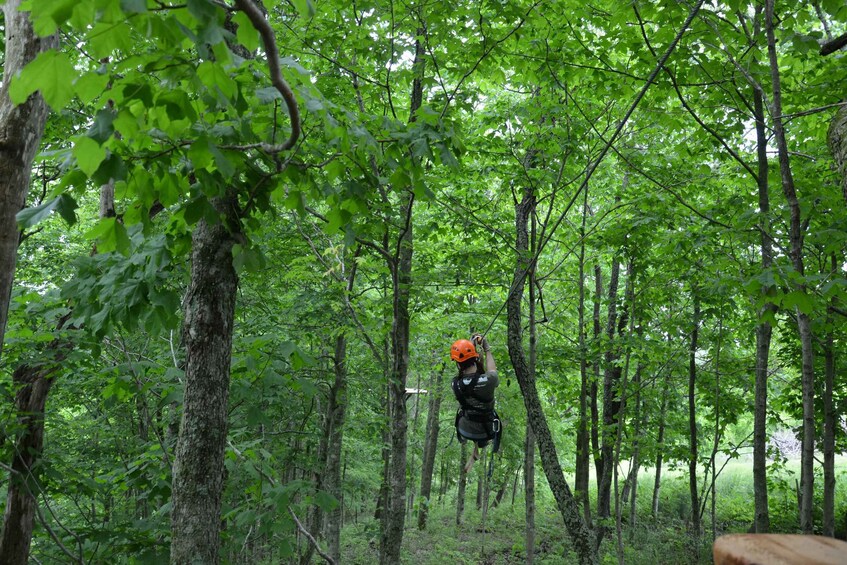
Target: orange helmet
[463,350]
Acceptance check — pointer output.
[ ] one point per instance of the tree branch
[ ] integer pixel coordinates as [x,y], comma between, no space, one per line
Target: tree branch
[269,39]
[832,46]
[311,538]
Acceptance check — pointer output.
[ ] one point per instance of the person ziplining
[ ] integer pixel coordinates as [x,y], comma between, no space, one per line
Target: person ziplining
[476,419]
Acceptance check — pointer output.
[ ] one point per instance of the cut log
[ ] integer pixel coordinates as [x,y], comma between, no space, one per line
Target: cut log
[778,549]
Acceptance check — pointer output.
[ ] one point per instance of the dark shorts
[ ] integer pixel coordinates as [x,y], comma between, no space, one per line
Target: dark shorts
[474,431]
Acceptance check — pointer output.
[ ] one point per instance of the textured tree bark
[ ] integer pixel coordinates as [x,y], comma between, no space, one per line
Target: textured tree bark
[463,480]
[328,477]
[804,323]
[595,375]
[332,476]
[830,421]
[392,537]
[21,128]
[582,445]
[838,145]
[33,384]
[611,399]
[581,537]
[430,448]
[401,278]
[529,492]
[529,447]
[660,446]
[761,519]
[638,432]
[198,473]
[693,450]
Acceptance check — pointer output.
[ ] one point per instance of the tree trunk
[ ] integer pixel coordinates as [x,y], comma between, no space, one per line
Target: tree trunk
[382,498]
[595,377]
[580,534]
[830,421]
[692,424]
[21,128]
[632,479]
[198,474]
[430,448]
[804,324]
[33,384]
[401,279]
[529,492]
[582,440]
[401,275]
[337,412]
[611,398]
[761,520]
[838,144]
[463,482]
[660,447]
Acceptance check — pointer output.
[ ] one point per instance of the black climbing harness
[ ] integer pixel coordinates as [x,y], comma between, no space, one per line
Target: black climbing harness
[487,415]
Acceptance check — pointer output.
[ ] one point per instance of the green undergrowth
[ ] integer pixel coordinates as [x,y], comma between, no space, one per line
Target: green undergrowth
[503,540]
[664,539]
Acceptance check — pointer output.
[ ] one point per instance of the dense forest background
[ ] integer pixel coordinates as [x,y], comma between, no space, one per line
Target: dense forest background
[238,239]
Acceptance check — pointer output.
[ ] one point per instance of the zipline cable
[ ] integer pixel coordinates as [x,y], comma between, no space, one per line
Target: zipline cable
[600,157]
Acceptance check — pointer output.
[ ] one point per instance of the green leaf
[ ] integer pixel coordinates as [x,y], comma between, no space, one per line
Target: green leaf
[326,501]
[246,34]
[112,168]
[90,85]
[63,204]
[134,6]
[200,153]
[50,14]
[215,77]
[801,300]
[89,154]
[102,127]
[106,38]
[110,235]
[268,94]
[51,72]
[304,8]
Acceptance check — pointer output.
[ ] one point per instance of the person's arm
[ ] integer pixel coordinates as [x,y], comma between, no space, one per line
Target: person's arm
[481,341]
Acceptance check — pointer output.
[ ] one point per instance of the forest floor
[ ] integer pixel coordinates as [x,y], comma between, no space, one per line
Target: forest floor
[663,540]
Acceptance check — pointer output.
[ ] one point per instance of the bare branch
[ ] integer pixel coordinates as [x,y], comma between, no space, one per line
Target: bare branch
[832,46]
[269,39]
[311,538]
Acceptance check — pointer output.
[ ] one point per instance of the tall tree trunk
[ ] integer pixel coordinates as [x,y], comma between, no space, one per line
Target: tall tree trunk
[580,535]
[392,537]
[430,448]
[401,278]
[529,447]
[382,498]
[21,128]
[693,450]
[611,398]
[804,323]
[761,519]
[595,375]
[632,479]
[463,483]
[33,384]
[582,440]
[209,310]
[830,422]
[332,475]
[529,492]
[838,145]
[328,476]
[660,446]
